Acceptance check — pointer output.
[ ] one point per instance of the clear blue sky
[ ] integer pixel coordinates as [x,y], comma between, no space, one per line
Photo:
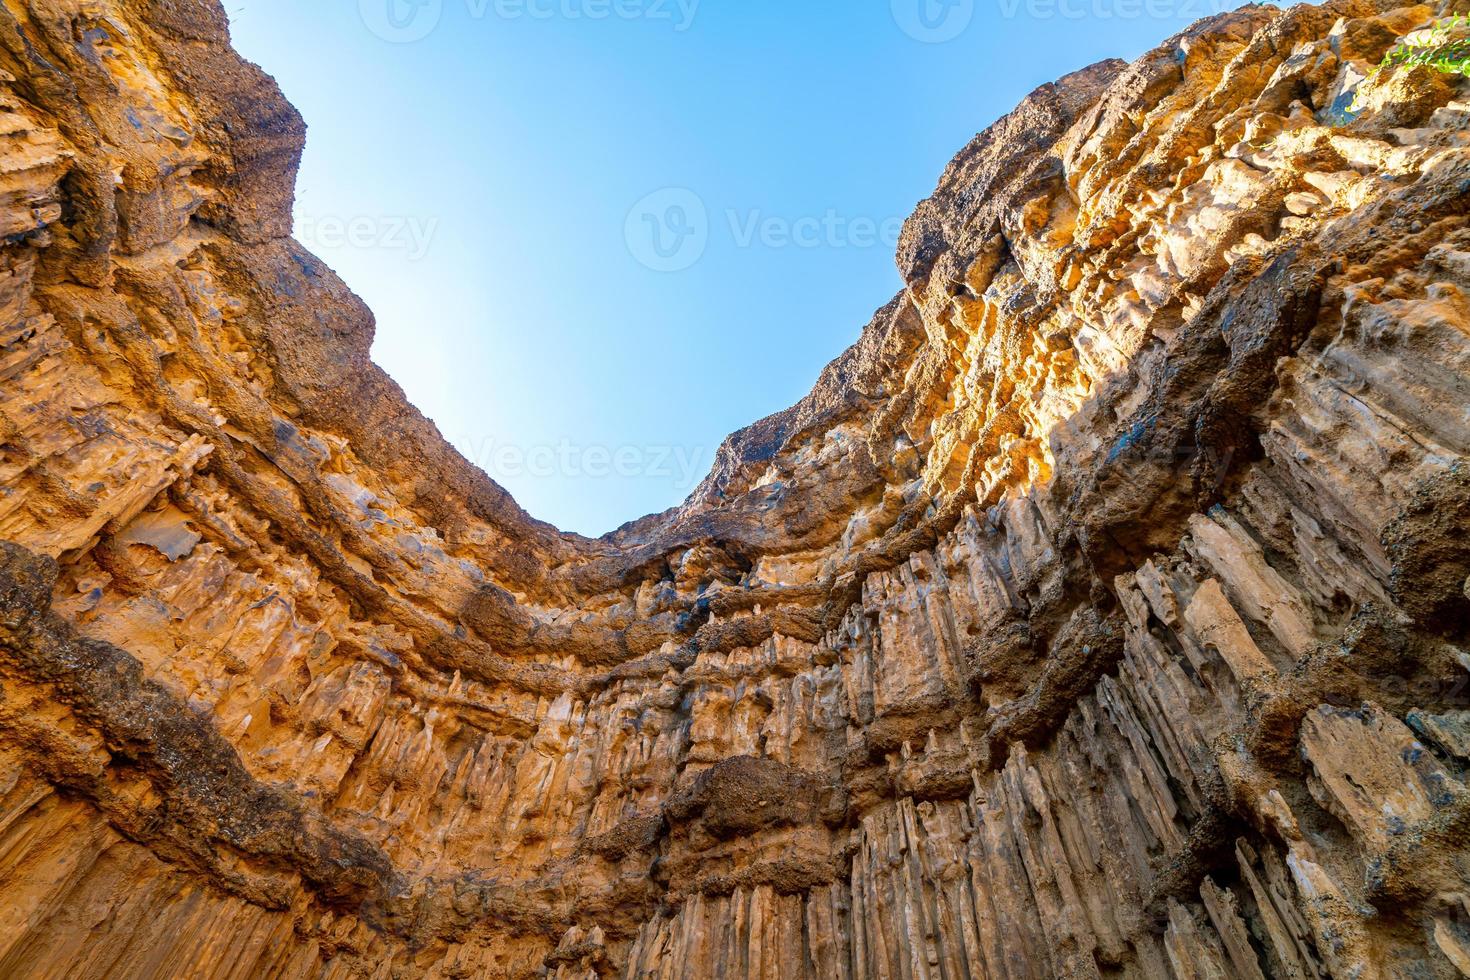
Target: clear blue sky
[599,235]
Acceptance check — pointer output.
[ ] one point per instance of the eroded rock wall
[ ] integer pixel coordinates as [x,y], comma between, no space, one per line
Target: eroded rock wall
[1102,612]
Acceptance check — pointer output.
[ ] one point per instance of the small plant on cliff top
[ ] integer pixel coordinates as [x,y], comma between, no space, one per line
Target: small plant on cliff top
[1437,48]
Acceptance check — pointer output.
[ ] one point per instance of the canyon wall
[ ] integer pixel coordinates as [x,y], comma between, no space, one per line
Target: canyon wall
[1104,611]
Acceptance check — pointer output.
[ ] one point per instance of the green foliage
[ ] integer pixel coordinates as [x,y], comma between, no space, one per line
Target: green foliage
[1437,48]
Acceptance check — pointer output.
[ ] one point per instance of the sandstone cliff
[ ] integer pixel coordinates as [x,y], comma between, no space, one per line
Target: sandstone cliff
[1105,611]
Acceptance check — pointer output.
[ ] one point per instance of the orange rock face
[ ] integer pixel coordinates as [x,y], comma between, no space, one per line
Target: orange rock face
[1104,611]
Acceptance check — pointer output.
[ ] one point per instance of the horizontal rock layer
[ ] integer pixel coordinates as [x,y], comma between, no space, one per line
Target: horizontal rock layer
[1104,611]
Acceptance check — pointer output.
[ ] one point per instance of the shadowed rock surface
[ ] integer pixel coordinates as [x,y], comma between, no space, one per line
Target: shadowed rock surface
[1103,612]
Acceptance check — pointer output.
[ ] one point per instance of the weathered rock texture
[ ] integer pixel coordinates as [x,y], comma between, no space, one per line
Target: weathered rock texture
[1102,612]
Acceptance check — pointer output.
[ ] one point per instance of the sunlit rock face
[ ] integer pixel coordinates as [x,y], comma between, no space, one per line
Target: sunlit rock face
[1102,612]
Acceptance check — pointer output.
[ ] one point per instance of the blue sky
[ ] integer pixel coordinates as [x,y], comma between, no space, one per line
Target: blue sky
[599,235]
